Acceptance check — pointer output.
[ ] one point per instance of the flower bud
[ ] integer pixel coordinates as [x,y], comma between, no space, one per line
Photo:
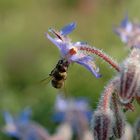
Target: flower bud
[102,124]
[103,116]
[119,119]
[130,77]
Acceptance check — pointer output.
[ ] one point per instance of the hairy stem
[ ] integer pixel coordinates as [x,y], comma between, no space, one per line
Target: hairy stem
[101,55]
[107,95]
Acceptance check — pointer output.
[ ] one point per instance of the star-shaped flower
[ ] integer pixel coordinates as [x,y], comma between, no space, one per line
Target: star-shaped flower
[72,108]
[71,51]
[129,32]
[22,128]
[12,124]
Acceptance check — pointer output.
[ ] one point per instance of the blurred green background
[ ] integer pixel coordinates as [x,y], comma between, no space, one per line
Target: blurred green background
[26,56]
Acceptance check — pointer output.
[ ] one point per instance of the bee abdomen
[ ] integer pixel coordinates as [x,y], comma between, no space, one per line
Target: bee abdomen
[57,84]
[58,80]
[60,76]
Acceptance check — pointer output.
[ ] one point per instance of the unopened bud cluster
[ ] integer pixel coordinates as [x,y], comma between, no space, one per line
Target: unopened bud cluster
[102,123]
[109,119]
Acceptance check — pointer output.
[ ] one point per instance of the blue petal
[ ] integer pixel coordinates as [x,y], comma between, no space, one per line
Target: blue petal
[68,29]
[87,63]
[13,134]
[124,38]
[89,115]
[10,122]
[8,118]
[81,104]
[125,22]
[61,45]
[24,116]
[56,42]
[59,117]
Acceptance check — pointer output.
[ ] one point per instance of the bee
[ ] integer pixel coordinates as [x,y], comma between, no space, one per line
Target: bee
[59,74]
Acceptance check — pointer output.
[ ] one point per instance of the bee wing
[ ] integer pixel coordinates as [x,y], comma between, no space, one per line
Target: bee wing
[46,80]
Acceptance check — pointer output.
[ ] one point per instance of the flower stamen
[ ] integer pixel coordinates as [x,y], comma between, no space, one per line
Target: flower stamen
[73,51]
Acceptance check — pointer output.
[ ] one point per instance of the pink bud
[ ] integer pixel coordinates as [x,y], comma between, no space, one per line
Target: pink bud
[103,116]
[119,119]
[102,124]
[130,77]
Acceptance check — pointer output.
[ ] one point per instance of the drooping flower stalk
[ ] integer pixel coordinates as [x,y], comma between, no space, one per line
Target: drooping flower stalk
[105,100]
[102,55]
[102,121]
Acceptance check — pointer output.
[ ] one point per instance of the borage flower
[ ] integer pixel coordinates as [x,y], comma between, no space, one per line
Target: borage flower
[70,51]
[22,128]
[129,32]
[124,29]
[65,106]
[129,79]
[76,113]
[79,52]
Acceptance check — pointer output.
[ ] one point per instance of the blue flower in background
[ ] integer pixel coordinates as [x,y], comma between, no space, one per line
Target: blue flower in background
[10,128]
[22,128]
[71,110]
[129,32]
[71,51]
[124,29]
[76,113]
